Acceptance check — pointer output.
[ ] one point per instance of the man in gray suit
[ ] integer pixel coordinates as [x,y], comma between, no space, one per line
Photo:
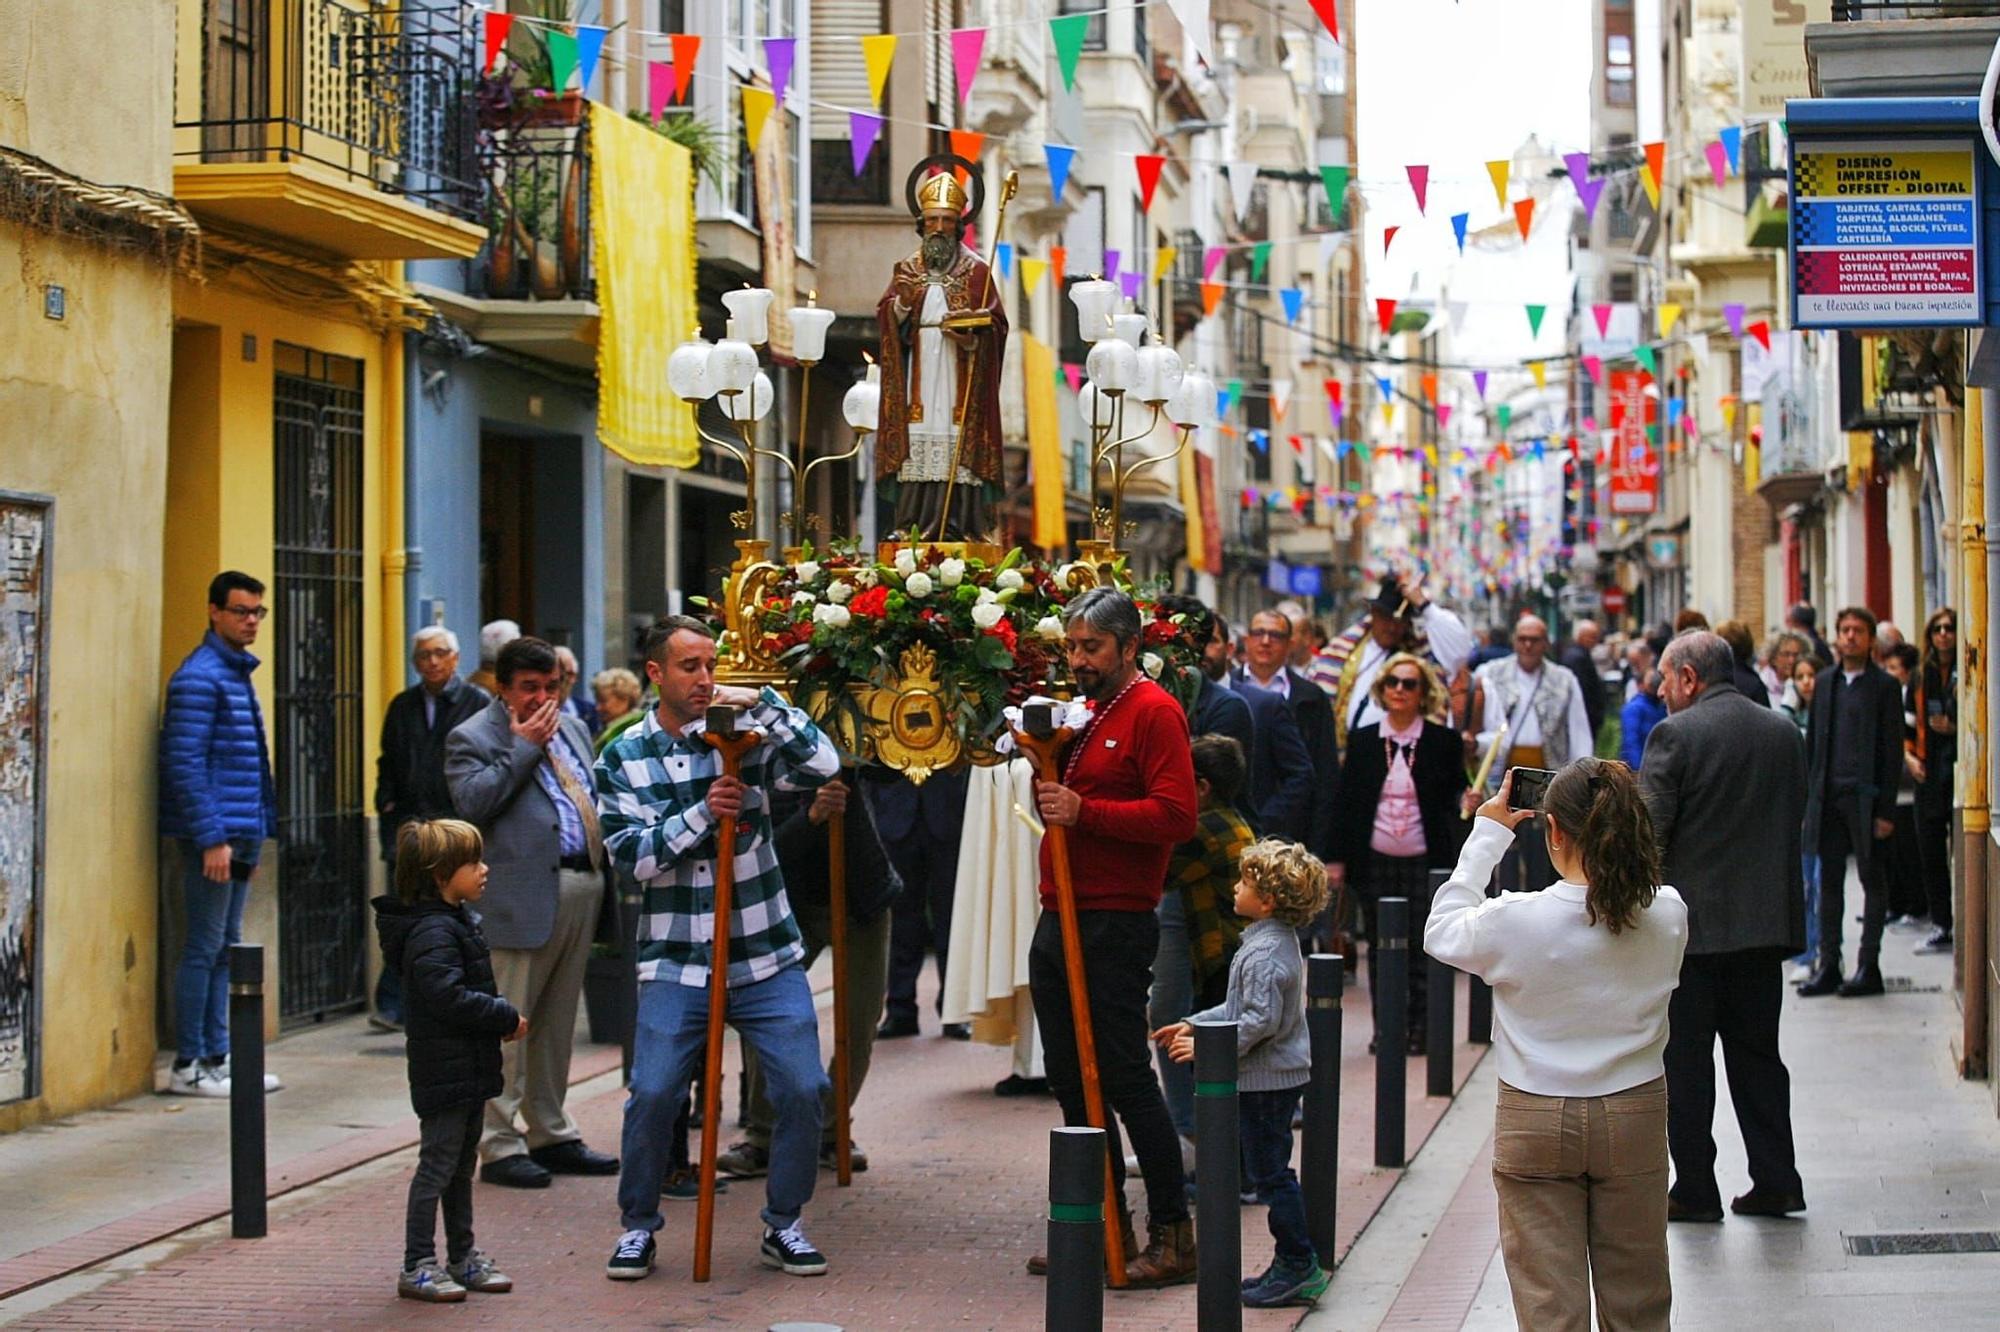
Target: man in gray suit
[521,770]
[1725,781]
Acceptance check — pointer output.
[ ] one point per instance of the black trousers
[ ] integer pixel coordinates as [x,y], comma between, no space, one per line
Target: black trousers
[920,920]
[1838,840]
[1118,951]
[1736,996]
[1905,870]
[1934,857]
[448,1150]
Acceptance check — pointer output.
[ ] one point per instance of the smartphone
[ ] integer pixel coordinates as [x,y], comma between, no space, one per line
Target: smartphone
[1531,785]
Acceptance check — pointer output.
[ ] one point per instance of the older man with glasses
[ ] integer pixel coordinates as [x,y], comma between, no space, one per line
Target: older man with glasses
[1532,709]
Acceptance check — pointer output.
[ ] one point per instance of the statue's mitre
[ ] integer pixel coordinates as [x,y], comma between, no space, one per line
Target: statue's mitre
[941,193]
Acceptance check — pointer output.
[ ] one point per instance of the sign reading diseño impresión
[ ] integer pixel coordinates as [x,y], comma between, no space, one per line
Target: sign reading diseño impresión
[1885,232]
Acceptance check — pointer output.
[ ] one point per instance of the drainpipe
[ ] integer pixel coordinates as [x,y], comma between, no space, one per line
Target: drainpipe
[1980,512]
[395,559]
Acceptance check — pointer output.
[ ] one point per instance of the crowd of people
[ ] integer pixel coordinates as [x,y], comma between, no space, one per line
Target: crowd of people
[1311,776]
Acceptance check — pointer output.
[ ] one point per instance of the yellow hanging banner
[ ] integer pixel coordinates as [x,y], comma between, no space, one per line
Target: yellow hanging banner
[1197,536]
[1045,460]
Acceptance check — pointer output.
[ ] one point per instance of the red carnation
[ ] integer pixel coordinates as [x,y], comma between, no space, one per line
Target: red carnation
[872,604]
[1004,631]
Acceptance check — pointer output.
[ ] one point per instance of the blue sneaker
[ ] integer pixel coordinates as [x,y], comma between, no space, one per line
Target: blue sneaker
[1287,1284]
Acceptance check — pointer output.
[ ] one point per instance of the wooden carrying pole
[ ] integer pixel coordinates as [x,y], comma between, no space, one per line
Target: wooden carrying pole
[836,879]
[1042,741]
[722,735]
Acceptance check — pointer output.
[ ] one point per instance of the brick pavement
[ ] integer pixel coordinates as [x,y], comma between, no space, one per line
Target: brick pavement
[932,1236]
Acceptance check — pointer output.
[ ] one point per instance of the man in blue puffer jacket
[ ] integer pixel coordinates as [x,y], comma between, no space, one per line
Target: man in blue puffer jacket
[218,798]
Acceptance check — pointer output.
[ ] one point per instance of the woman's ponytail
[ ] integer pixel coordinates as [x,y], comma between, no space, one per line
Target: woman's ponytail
[1597,804]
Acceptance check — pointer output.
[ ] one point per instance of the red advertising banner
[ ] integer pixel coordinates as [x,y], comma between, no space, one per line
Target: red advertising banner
[1635,465]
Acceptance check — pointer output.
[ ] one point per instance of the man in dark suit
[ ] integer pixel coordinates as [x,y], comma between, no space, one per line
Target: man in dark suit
[1725,781]
[1854,747]
[521,770]
[1576,656]
[920,828]
[409,776]
[1269,644]
[1277,798]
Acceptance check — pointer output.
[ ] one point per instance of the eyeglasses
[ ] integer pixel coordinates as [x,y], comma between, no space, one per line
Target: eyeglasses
[1279,634]
[433,654]
[1401,682]
[251,613]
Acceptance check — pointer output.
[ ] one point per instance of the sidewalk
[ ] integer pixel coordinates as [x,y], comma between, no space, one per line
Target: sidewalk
[934,1235]
[1889,1140]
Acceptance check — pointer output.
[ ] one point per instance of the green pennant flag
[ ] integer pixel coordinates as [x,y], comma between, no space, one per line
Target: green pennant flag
[1505,415]
[1260,255]
[1653,435]
[1362,452]
[1068,33]
[1535,313]
[1235,391]
[1649,359]
[1335,179]
[562,58]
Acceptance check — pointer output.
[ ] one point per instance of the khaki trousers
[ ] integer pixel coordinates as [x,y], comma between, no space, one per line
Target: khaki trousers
[544,984]
[1583,1203]
[867,983]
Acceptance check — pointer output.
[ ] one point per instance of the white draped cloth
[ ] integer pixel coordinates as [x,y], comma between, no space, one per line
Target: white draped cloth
[995,905]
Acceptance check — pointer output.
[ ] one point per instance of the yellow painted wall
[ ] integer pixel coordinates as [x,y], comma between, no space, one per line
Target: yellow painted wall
[81,419]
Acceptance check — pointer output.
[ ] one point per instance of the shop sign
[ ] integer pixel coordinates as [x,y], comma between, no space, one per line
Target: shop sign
[1635,464]
[1663,552]
[1885,232]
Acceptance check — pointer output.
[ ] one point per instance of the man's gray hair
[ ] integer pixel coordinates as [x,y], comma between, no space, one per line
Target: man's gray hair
[1108,609]
[494,636]
[568,660]
[431,632]
[1710,657]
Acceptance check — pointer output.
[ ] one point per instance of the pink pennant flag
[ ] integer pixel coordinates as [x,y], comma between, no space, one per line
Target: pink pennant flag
[1420,184]
[1444,415]
[1074,374]
[1718,161]
[1211,260]
[863,128]
[966,45]
[1594,367]
[659,88]
[1602,314]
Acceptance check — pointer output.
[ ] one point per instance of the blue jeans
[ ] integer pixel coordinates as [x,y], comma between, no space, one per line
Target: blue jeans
[776,1018]
[214,913]
[1266,1127]
[1172,999]
[1810,866]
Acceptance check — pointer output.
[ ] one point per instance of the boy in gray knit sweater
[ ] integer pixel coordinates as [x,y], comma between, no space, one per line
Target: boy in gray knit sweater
[1282,889]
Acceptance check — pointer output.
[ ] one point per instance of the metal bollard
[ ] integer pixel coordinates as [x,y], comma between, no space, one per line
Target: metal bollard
[1319,1151]
[1074,1301]
[1441,998]
[1392,996]
[1479,1007]
[246,1091]
[1218,1179]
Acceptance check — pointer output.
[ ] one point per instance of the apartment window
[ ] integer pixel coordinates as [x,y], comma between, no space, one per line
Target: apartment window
[1624,288]
[673,16]
[1257,416]
[1093,31]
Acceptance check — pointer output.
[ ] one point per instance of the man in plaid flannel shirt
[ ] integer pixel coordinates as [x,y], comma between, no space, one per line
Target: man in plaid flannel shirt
[661,798]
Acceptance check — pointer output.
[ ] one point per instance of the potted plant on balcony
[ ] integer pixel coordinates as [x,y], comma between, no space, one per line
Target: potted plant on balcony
[520,93]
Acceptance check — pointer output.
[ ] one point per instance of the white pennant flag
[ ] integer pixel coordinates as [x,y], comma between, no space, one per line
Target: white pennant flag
[1242,180]
[1281,395]
[1454,313]
[1193,16]
[1699,344]
[1329,241]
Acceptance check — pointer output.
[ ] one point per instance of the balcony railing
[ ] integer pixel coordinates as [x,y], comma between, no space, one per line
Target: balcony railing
[377,93]
[1868,11]
[538,182]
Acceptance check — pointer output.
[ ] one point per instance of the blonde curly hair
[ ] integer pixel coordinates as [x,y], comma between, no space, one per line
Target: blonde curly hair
[1289,875]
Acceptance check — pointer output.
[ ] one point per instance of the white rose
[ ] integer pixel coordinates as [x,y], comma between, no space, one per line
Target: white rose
[987,614]
[1049,627]
[1009,579]
[803,598]
[837,616]
[917,584]
[866,577]
[987,596]
[838,591]
[952,572]
[806,572]
[906,562]
[1153,664]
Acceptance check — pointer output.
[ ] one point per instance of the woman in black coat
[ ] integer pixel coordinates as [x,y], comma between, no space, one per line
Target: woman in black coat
[1397,817]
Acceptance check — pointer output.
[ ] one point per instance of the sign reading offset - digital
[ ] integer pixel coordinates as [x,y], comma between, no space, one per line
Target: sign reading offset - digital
[1891,222]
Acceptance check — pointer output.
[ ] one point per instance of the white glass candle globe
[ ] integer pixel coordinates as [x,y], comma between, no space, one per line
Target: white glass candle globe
[863,404]
[732,363]
[687,371]
[754,404]
[809,326]
[1093,300]
[1113,366]
[1160,373]
[1129,327]
[750,307]
[1096,408]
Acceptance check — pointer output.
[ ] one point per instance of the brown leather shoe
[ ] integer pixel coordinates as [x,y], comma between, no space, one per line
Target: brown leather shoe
[1168,1259]
[1039,1264]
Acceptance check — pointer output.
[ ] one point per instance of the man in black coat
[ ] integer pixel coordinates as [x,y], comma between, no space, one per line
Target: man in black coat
[920,828]
[1277,798]
[409,776]
[1725,781]
[1270,638]
[1576,656]
[1854,747]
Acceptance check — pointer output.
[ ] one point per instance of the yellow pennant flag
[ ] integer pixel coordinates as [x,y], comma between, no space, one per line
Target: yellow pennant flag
[1431,454]
[1729,412]
[1388,412]
[1163,259]
[1670,314]
[1540,371]
[757,104]
[878,52]
[1498,170]
[1031,274]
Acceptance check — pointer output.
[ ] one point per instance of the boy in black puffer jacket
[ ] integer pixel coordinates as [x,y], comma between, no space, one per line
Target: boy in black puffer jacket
[454,1021]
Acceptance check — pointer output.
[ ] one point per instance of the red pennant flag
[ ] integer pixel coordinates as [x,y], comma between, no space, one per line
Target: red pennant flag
[687,46]
[1761,330]
[1148,165]
[1430,383]
[1524,215]
[1328,15]
[966,144]
[496,34]
[1420,184]
[1656,162]
[1211,296]
[1388,234]
[1058,259]
[1298,445]
[1385,313]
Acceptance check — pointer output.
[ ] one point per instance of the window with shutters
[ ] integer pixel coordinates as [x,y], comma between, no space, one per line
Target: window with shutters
[840,85]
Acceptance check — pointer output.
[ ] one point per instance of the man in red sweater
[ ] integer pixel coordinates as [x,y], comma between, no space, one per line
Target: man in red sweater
[1128,795]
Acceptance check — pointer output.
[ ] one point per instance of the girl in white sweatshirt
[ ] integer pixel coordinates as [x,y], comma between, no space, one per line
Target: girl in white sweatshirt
[1581,974]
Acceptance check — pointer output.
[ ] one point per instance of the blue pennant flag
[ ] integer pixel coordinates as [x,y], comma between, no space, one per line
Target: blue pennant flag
[1059,160]
[589,43]
[1294,299]
[1382,382]
[1675,406]
[1458,221]
[1003,258]
[1260,440]
[1732,144]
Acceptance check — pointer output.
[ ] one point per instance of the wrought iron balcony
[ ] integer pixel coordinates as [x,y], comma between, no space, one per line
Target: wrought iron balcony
[538,182]
[1869,11]
[301,105]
